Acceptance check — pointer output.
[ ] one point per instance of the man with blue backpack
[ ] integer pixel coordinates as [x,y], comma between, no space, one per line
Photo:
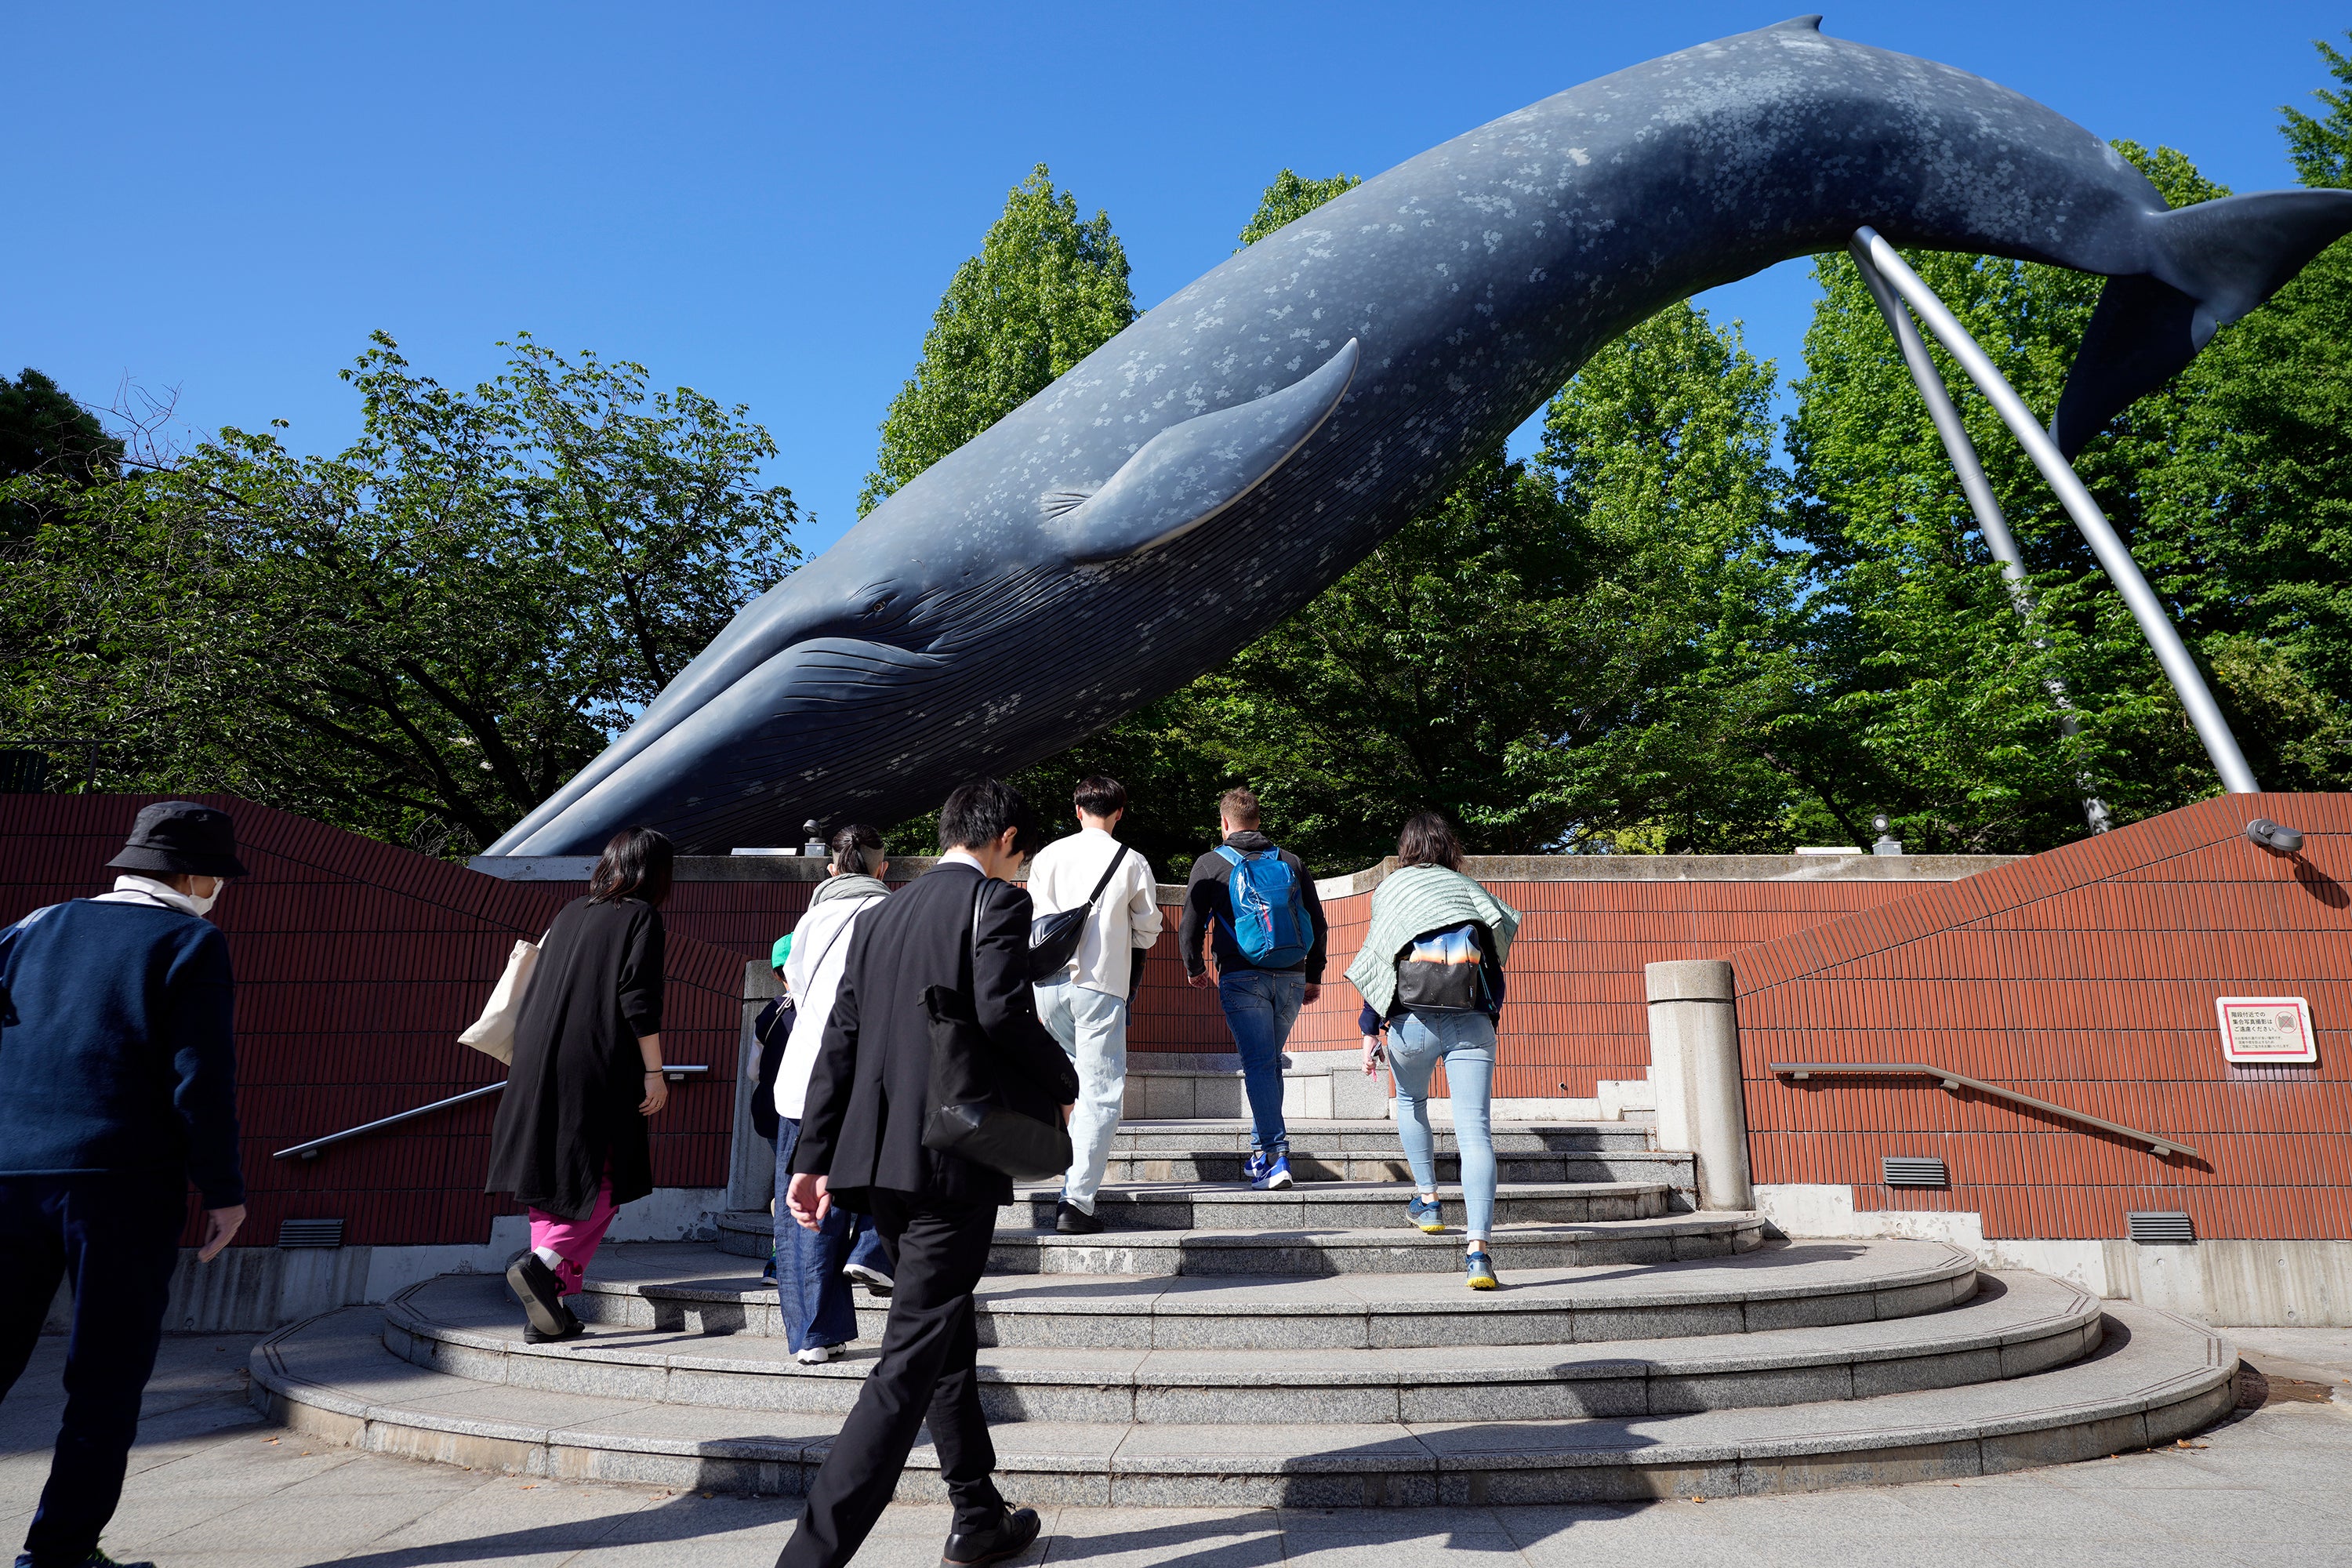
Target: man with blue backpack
[1259,909]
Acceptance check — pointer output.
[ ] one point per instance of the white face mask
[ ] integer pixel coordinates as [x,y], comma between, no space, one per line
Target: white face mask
[205,902]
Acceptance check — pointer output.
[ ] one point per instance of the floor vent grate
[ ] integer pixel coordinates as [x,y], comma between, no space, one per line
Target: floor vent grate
[310,1233]
[2159,1225]
[1912,1171]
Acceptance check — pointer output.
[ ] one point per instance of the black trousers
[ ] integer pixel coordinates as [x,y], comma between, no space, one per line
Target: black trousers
[926,1372]
[117,1238]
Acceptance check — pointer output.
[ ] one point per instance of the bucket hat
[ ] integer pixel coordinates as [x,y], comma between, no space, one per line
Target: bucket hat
[179,835]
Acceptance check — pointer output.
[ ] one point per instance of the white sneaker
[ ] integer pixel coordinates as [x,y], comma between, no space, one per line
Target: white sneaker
[876,1283]
[817,1355]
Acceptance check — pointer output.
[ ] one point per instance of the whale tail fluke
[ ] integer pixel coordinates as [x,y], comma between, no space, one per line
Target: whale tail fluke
[2215,262]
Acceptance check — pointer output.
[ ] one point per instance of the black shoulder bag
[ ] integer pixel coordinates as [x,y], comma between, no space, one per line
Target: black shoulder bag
[969,1117]
[1054,939]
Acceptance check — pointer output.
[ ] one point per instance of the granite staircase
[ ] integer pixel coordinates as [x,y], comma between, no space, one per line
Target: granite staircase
[1215,1345]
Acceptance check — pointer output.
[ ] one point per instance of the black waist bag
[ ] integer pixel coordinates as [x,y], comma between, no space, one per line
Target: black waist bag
[969,1117]
[1443,971]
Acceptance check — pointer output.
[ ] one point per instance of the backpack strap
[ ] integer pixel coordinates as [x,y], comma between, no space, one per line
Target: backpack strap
[1233,856]
[1096,897]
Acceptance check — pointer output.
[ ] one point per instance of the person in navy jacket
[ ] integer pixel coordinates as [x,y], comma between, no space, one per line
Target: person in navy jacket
[117,1086]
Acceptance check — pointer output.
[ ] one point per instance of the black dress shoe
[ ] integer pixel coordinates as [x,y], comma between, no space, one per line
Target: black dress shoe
[572,1329]
[541,1295]
[97,1559]
[1008,1538]
[1071,1220]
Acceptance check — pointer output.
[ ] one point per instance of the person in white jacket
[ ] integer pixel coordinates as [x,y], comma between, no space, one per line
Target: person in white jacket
[1085,1009]
[814,1268]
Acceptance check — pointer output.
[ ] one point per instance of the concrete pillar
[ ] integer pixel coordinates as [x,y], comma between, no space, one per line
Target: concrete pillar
[751,1159]
[1695,1066]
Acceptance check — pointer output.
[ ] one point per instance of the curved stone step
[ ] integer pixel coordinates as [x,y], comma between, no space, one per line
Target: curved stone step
[466,1325]
[1393,1250]
[1334,1206]
[1231,1135]
[1308,1248]
[2155,1377]
[680,1287]
[1388,1164]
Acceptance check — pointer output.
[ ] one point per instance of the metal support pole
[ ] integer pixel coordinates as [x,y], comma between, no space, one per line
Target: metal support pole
[2171,654]
[1977,488]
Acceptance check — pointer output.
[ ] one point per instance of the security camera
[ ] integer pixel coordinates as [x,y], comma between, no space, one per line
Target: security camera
[2276,837]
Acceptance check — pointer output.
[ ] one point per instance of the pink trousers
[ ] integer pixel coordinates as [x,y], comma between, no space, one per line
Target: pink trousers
[573,1240]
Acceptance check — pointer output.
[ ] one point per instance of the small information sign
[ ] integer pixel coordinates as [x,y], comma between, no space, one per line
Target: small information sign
[2274,1030]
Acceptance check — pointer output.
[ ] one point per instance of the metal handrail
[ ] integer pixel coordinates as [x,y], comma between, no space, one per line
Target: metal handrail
[2156,1142]
[674,1072]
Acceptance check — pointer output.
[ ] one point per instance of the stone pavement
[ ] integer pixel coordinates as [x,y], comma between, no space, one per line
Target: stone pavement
[210,1487]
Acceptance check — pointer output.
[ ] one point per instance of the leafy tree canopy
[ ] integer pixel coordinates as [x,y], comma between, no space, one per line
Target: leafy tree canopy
[45,432]
[1291,197]
[1046,291]
[420,636]
[2321,146]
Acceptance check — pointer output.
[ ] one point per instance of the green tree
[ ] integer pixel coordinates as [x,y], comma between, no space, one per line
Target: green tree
[45,432]
[1046,291]
[2321,147]
[418,637]
[1934,699]
[1291,197]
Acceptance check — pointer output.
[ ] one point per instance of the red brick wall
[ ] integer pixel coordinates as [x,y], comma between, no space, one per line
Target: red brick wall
[1576,1011]
[357,963]
[2086,977]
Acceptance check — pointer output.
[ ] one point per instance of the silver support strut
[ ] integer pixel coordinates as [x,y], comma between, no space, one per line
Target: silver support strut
[2171,654]
[1998,540]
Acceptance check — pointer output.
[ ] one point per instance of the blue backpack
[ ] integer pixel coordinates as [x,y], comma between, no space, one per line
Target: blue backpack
[1270,924]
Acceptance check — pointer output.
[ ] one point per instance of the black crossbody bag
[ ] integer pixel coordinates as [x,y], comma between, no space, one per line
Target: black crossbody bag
[969,1118]
[1054,939]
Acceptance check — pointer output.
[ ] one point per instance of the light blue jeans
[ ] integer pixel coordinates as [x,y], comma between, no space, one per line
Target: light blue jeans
[1092,1027]
[1261,1004]
[1465,1042]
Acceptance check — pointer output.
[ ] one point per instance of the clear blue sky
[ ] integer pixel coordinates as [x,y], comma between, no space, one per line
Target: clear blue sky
[765,202]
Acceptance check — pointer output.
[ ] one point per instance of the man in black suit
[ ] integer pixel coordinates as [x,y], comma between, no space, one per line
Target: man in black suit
[965,926]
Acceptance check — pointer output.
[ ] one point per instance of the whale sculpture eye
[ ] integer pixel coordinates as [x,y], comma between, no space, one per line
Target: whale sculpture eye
[877,606]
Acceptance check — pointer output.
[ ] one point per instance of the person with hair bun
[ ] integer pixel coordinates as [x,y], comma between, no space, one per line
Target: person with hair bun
[570,1138]
[814,1268]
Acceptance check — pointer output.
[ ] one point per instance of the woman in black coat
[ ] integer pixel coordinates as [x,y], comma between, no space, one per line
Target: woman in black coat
[570,1139]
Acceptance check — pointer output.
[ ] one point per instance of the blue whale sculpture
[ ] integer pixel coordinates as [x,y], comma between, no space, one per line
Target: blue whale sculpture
[1235,450]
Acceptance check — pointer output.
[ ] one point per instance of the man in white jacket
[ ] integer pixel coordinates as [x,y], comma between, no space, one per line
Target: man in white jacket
[1085,1009]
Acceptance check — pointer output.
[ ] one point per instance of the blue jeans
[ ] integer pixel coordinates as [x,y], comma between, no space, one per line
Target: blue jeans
[817,1305]
[1465,1042]
[1260,1006]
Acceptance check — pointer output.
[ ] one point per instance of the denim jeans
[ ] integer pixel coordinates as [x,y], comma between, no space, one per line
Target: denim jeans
[1261,1004]
[1092,1027]
[818,1308]
[1465,1042]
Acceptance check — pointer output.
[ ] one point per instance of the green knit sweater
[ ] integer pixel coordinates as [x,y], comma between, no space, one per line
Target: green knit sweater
[1412,902]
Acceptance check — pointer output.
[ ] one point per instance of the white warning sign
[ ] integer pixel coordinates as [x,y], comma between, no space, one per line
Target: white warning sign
[2274,1029]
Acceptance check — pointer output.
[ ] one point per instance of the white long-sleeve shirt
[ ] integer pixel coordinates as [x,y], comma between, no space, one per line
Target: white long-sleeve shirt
[1126,917]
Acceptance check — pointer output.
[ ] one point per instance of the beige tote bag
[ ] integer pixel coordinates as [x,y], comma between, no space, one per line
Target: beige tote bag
[493,1033]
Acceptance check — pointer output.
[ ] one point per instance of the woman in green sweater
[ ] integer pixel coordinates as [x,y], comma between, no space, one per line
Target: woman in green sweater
[1431,973]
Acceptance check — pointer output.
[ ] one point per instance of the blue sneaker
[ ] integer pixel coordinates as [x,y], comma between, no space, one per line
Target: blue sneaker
[1268,1174]
[1426,1213]
[1482,1272]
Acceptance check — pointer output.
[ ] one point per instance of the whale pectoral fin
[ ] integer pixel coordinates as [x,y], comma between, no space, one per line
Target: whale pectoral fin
[1190,472]
[2220,259]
